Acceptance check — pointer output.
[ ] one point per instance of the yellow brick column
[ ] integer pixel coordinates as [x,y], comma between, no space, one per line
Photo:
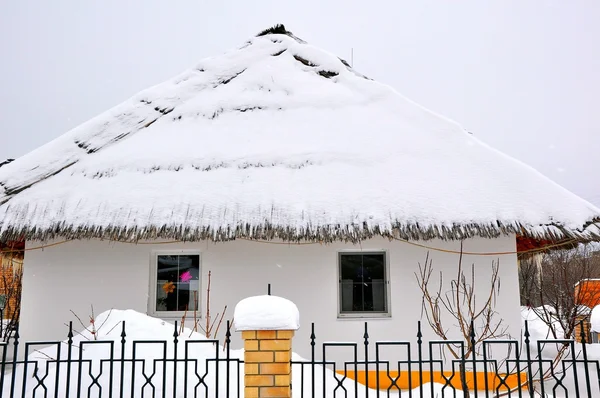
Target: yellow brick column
[267,324]
[267,357]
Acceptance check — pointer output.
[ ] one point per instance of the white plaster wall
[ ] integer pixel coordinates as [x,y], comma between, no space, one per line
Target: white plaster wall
[78,274]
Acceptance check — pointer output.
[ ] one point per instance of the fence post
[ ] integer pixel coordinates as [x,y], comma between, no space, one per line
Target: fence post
[267,324]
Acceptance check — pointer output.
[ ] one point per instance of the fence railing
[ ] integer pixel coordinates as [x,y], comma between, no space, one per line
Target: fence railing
[182,367]
[121,368]
[544,368]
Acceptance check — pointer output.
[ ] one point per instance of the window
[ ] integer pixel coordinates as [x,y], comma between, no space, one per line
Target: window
[363,284]
[175,283]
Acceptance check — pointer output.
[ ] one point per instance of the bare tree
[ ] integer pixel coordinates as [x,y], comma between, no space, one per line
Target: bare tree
[11,277]
[555,288]
[209,330]
[460,304]
[529,275]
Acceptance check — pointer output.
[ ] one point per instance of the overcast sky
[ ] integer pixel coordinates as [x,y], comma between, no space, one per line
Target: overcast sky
[522,75]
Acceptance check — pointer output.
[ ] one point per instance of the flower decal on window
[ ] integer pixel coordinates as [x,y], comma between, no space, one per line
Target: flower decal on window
[185,276]
[168,287]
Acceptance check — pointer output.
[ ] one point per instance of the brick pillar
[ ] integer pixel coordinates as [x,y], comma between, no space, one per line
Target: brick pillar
[267,368]
[586,328]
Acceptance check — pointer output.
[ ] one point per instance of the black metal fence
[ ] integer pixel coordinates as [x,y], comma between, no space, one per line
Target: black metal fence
[203,368]
[544,368]
[138,368]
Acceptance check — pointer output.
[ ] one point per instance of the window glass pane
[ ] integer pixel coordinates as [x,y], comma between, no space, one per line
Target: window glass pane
[178,282]
[347,293]
[362,283]
[377,298]
[351,267]
[374,265]
[357,298]
[187,285]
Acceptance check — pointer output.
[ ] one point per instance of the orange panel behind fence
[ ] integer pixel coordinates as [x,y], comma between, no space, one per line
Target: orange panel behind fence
[503,382]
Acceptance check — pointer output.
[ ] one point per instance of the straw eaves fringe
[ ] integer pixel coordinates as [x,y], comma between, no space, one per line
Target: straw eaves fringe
[326,234]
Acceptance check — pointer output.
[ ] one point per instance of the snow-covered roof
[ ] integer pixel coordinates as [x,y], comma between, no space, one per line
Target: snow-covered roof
[278,139]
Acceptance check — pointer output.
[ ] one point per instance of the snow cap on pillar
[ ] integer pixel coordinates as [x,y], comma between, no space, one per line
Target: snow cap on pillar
[266,313]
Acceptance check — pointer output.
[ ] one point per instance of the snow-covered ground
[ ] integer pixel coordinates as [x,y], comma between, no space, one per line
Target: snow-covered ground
[5,327]
[563,371]
[538,329]
[5,323]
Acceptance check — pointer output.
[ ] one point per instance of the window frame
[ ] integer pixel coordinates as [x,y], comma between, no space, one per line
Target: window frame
[154,280]
[387,284]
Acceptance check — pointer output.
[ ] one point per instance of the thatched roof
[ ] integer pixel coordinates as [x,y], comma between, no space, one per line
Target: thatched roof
[278,139]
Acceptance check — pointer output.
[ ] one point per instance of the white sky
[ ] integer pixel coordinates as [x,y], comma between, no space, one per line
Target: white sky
[522,75]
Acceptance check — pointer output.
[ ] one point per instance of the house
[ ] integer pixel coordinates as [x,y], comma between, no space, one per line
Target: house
[587,294]
[274,163]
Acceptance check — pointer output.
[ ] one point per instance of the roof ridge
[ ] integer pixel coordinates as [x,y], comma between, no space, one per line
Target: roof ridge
[279,29]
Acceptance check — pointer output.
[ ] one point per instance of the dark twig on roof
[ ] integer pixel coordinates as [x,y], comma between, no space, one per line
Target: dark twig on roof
[15,190]
[7,161]
[304,61]
[278,29]
[346,64]
[327,73]
[164,111]
[226,80]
